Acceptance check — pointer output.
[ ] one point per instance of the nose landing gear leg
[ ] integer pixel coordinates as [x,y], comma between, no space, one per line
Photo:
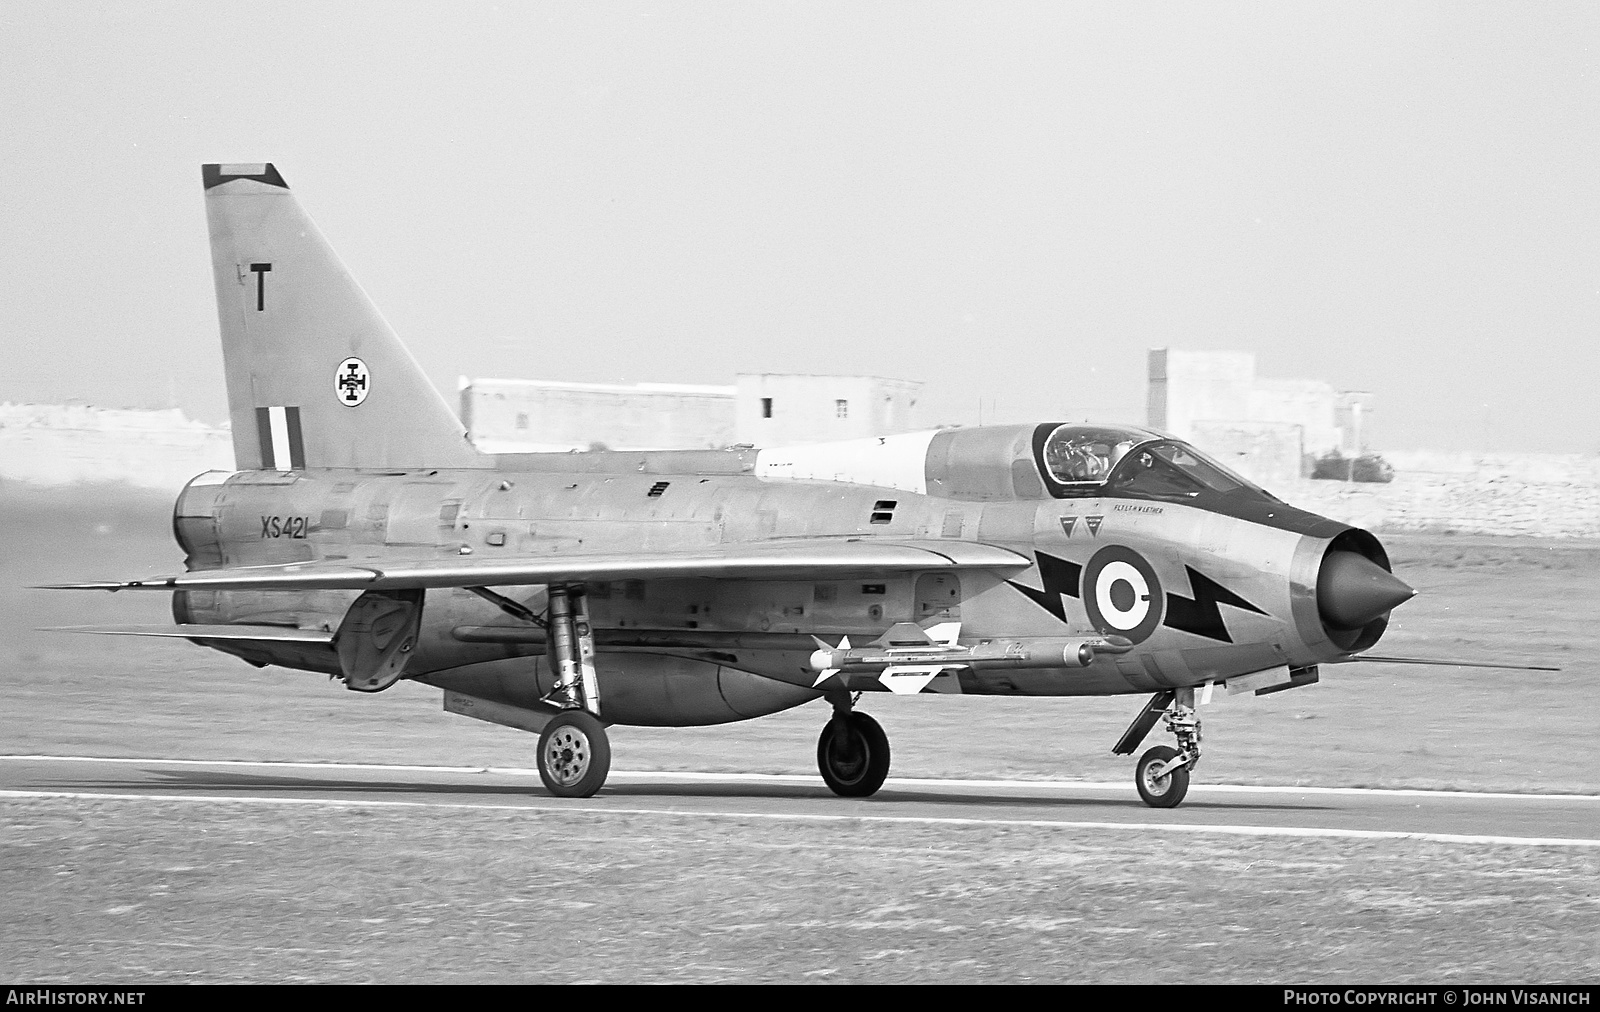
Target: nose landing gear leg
[1162,775]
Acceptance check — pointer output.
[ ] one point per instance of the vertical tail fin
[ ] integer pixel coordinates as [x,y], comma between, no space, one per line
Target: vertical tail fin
[316,378]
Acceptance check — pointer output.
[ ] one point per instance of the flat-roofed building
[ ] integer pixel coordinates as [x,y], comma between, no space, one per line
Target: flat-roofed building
[763,409]
[785,409]
[525,416]
[1265,428]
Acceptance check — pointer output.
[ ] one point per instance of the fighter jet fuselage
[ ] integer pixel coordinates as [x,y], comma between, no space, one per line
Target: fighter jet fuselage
[1164,593]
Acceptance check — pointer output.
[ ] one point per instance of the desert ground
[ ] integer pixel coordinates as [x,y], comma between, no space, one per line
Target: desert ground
[107,890]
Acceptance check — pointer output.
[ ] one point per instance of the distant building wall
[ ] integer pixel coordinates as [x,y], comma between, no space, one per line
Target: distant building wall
[1268,453]
[764,409]
[1219,393]
[59,444]
[1190,386]
[783,409]
[1309,404]
[512,415]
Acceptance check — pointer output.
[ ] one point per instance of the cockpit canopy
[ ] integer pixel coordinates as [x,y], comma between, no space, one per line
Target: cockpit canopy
[1096,460]
[1088,453]
[1083,461]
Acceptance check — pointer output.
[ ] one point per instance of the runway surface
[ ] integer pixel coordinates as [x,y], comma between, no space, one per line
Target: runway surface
[1458,817]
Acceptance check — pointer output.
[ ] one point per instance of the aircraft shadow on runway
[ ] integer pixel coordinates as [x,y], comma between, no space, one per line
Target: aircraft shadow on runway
[200,781]
[977,797]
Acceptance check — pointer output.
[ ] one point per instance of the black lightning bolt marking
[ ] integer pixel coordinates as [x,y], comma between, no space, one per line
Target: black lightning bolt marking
[1200,615]
[1059,577]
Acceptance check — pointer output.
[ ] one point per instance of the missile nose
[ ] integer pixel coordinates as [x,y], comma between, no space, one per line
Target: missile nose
[1352,590]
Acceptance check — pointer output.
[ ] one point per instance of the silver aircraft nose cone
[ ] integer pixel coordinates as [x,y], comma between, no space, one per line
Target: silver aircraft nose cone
[1352,590]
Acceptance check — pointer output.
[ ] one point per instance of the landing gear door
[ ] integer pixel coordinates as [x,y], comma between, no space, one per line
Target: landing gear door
[377,638]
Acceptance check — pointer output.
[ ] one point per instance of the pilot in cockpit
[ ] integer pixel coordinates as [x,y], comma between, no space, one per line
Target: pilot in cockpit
[1077,460]
[1084,456]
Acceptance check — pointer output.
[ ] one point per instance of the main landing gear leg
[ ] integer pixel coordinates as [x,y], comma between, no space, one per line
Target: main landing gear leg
[1162,775]
[852,751]
[574,753]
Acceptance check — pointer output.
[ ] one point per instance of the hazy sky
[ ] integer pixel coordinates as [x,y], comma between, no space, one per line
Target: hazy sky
[1008,201]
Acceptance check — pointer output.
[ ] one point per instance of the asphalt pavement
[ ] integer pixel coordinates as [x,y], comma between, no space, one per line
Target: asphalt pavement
[1467,818]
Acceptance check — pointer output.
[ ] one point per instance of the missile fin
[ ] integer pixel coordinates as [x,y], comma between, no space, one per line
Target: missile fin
[908,679]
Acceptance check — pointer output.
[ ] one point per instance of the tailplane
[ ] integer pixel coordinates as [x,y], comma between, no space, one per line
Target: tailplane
[316,378]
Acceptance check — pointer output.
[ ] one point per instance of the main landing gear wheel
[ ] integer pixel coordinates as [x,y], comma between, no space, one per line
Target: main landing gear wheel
[574,755]
[1163,791]
[853,755]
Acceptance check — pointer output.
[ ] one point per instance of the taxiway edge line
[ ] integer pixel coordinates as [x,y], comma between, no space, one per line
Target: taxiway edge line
[1158,827]
[812,778]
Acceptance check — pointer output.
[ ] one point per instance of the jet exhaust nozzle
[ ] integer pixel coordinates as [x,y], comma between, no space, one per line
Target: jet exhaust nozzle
[1352,590]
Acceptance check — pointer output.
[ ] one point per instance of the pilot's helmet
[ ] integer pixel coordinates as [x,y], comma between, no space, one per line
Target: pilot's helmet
[1094,461]
[1061,454]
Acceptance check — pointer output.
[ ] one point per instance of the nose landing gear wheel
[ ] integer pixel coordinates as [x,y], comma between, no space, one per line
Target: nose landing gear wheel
[853,755]
[1165,791]
[574,755]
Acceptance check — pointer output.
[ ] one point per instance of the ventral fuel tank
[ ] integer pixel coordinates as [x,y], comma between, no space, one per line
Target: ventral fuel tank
[648,690]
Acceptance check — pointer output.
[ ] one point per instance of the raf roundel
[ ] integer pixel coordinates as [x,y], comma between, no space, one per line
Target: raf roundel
[352,382]
[1122,594]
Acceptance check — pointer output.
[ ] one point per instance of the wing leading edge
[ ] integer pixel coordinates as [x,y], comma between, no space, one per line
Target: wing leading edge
[247,633]
[1441,662]
[795,560]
